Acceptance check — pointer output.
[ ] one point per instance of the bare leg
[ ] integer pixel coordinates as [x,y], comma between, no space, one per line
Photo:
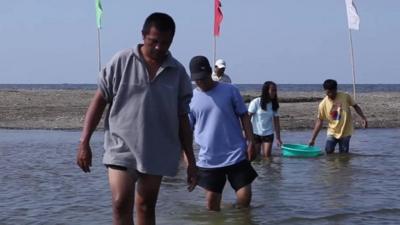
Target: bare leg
[243,196]
[122,186]
[267,149]
[146,198]
[213,201]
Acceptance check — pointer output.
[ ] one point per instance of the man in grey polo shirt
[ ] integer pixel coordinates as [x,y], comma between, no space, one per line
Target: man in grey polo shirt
[146,126]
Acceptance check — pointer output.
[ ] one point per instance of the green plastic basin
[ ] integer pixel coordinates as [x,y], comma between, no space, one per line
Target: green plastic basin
[299,150]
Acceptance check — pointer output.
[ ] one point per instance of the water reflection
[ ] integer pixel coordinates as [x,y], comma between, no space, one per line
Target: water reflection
[228,215]
[337,177]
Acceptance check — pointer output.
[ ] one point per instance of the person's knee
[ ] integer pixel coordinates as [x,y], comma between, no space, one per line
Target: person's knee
[147,192]
[148,202]
[122,189]
[330,147]
[329,150]
[121,204]
[212,206]
[244,195]
[243,203]
[267,148]
[344,145]
[146,207]
[344,150]
[330,144]
[213,201]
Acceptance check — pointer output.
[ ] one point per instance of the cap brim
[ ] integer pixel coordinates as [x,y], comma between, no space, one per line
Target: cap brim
[220,66]
[200,76]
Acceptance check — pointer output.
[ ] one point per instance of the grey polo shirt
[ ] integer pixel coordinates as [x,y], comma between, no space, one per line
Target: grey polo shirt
[142,122]
[224,78]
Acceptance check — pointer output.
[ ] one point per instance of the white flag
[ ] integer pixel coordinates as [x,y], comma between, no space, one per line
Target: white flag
[352,17]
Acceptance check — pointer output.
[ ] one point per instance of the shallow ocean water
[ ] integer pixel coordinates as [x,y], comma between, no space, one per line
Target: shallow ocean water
[41,184]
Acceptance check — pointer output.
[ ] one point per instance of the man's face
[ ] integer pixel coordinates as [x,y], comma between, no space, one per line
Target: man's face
[156,43]
[219,71]
[331,94]
[204,84]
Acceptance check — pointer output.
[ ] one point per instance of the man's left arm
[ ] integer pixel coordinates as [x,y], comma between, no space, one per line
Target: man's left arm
[185,94]
[361,114]
[248,132]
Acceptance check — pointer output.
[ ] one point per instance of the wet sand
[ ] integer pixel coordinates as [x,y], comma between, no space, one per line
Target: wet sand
[65,109]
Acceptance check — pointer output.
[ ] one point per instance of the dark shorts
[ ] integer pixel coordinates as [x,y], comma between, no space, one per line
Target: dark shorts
[131,171]
[214,179]
[344,144]
[261,139]
[116,167]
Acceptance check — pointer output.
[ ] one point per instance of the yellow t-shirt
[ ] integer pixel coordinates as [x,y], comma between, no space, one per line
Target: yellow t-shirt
[338,114]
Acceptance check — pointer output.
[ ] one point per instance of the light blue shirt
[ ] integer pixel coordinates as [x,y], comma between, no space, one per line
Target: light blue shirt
[214,115]
[262,120]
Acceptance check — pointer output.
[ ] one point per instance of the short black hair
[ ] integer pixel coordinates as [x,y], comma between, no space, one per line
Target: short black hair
[330,84]
[162,21]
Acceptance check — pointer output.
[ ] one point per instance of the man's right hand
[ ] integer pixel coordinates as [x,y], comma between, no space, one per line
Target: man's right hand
[192,176]
[84,157]
[311,143]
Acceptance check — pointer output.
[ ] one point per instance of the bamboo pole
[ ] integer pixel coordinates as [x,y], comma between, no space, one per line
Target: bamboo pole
[352,64]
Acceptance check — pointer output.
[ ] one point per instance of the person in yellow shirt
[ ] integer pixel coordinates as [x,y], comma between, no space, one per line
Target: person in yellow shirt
[335,108]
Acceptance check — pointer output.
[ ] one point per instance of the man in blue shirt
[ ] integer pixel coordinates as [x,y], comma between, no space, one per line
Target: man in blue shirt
[217,115]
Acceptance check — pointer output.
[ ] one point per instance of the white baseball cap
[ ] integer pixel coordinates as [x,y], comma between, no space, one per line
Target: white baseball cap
[220,63]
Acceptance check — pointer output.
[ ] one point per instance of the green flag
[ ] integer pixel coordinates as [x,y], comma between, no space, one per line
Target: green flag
[99,13]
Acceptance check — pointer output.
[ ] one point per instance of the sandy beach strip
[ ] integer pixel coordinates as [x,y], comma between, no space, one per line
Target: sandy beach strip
[65,109]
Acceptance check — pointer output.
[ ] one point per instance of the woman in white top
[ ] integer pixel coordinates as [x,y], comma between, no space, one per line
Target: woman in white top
[265,118]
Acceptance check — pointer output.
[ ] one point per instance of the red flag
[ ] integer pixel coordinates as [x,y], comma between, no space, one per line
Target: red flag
[217,16]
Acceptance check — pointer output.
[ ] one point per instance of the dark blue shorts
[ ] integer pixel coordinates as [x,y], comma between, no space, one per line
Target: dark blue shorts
[238,175]
[344,144]
[261,139]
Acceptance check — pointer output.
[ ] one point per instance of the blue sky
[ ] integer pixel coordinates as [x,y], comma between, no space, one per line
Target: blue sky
[291,41]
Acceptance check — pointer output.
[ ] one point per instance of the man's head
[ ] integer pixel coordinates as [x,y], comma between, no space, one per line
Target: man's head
[158,32]
[220,67]
[200,72]
[330,87]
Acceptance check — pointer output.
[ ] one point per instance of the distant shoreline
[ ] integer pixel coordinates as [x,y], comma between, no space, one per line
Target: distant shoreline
[361,88]
[65,109]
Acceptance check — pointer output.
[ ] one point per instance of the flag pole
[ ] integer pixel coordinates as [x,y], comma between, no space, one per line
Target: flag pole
[99,13]
[215,50]
[353,21]
[98,49]
[217,22]
[352,64]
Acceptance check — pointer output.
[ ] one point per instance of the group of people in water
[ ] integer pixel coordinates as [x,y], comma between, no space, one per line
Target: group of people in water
[153,113]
